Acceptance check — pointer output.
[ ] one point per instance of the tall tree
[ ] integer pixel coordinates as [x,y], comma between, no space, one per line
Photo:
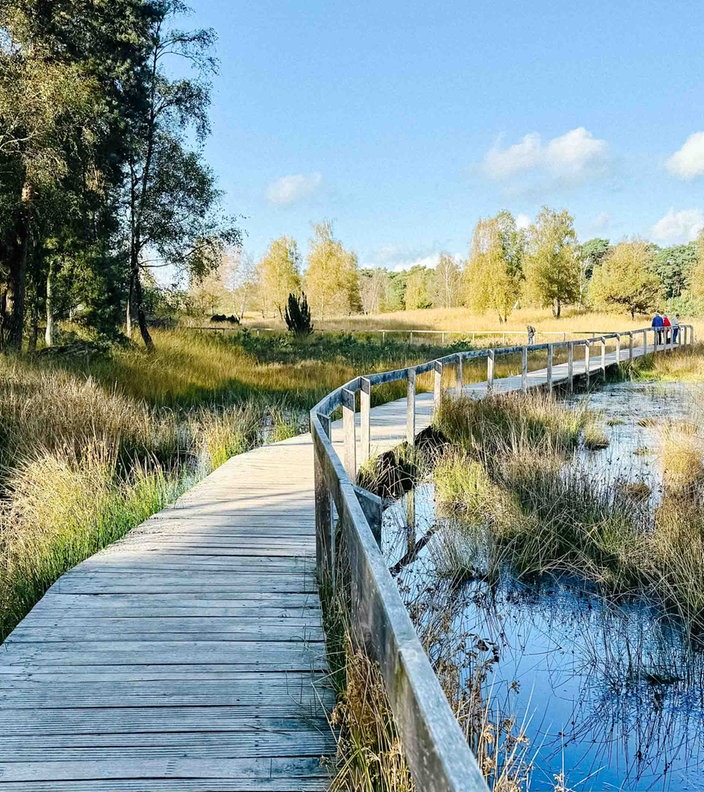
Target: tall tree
[278,275]
[68,76]
[494,270]
[552,266]
[171,201]
[332,277]
[447,283]
[374,285]
[419,288]
[627,278]
[674,266]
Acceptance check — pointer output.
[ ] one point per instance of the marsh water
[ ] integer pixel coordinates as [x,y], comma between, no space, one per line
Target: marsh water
[609,694]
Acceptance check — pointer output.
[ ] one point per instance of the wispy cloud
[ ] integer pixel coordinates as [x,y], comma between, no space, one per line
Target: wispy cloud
[688,162]
[567,160]
[292,189]
[676,228]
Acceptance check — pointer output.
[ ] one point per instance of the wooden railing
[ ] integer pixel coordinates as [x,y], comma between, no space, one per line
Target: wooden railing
[349,517]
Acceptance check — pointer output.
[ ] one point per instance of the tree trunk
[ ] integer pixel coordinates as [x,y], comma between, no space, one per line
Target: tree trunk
[49,332]
[556,308]
[139,306]
[17,279]
[33,336]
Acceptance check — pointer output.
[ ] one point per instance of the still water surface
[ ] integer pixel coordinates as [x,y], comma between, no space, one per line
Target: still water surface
[608,694]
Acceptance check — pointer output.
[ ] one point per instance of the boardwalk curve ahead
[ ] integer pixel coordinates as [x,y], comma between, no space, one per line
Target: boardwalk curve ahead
[190,655]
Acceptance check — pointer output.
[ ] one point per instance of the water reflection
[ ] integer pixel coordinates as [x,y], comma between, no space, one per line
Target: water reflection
[610,694]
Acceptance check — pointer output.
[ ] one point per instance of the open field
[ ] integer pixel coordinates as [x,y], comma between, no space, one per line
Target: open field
[462,320]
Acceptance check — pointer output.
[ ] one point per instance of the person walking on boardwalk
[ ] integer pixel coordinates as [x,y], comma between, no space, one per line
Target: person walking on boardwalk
[531,334]
[675,328]
[657,323]
[667,325]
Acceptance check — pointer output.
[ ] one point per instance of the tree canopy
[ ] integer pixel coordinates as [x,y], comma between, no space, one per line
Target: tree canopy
[627,278]
[552,267]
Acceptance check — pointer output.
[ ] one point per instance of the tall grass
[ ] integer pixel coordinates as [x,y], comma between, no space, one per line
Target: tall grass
[93,440]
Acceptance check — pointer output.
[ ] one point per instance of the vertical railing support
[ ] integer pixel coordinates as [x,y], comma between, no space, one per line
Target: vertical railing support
[524,369]
[411,407]
[437,388]
[365,428]
[602,363]
[645,342]
[618,349]
[325,541]
[459,374]
[549,366]
[490,371]
[570,366]
[630,346]
[373,509]
[587,362]
[349,432]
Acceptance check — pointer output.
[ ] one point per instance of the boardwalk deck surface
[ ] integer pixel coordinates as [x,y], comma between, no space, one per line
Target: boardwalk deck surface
[190,655]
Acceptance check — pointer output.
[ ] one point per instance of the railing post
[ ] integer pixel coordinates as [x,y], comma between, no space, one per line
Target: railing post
[459,374]
[549,366]
[630,347]
[570,365]
[524,369]
[587,361]
[411,407]
[410,337]
[365,428]
[437,389]
[490,371]
[645,342]
[373,509]
[618,349]
[602,364]
[325,539]
[349,432]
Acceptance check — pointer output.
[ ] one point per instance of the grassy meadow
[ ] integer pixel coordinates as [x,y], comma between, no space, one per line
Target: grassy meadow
[464,321]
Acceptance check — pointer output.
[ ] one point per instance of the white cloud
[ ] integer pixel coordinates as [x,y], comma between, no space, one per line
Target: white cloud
[675,228]
[688,162]
[523,221]
[601,222]
[291,189]
[569,158]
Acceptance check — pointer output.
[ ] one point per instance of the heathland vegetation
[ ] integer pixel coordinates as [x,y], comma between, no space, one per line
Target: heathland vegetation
[95,438]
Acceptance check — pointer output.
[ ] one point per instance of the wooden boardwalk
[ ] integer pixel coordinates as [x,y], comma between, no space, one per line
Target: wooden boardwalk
[190,655]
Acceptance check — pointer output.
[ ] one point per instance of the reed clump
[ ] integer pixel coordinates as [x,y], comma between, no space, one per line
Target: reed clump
[521,500]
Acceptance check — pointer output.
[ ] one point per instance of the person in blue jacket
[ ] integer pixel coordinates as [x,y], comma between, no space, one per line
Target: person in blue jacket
[658,323]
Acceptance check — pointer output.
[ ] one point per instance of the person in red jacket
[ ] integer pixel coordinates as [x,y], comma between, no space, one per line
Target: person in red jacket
[667,324]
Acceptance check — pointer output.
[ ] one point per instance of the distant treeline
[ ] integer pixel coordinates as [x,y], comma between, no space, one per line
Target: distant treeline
[506,266]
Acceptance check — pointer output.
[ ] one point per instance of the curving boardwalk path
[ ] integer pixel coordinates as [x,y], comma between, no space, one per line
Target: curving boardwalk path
[190,655]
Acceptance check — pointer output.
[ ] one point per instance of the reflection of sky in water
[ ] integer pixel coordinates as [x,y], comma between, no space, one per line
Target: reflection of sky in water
[604,692]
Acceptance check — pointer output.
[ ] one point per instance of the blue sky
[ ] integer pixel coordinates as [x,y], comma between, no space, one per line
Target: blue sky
[406,122]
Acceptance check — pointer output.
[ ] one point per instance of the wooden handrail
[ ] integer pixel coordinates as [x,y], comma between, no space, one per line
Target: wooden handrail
[434,745]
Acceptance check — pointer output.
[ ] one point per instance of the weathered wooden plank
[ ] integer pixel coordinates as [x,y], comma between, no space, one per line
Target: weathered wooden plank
[191,767]
[285,716]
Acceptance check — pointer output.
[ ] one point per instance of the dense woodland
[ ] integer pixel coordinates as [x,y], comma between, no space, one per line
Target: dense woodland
[103,113]
[101,174]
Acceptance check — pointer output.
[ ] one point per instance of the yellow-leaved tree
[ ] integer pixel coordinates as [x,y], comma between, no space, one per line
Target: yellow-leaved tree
[278,275]
[552,265]
[627,278]
[332,277]
[494,272]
